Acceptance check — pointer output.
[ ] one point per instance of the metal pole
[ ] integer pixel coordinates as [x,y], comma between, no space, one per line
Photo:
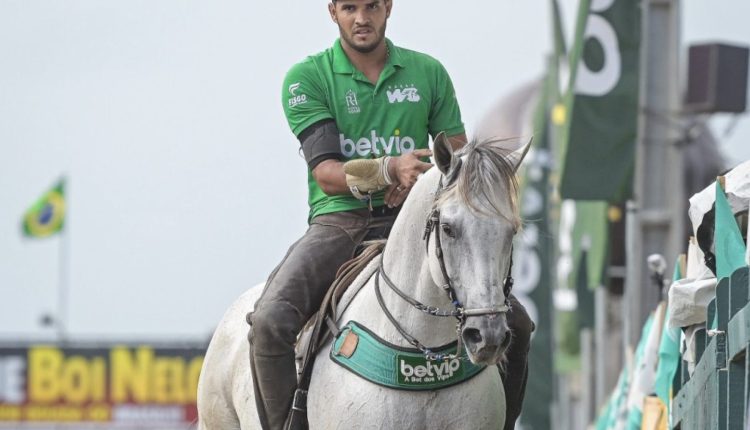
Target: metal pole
[603,353]
[657,223]
[588,371]
[61,321]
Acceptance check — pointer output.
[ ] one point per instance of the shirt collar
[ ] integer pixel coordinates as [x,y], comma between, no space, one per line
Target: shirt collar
[341,63]
[394,54]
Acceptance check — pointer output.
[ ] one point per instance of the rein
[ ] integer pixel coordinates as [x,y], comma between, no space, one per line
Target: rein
[458,311]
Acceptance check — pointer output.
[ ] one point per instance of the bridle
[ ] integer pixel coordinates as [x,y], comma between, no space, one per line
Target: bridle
[458,311]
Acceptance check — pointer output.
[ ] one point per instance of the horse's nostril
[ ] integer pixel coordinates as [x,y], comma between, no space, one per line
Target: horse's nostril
[506,340]
[472,336]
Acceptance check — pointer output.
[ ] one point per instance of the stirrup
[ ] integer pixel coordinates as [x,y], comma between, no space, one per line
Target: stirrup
[300,400]
[297,418]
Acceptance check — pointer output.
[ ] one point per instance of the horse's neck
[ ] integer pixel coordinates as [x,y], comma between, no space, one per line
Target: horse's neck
[406,264]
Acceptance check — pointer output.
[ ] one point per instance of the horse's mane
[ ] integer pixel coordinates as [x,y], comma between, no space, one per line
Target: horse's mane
[487,178]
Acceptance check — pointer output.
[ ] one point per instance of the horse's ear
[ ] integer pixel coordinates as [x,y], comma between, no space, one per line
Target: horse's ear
[520,153]
[443,152]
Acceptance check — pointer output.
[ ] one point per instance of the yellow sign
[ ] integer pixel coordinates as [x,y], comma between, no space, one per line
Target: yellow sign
[49,383]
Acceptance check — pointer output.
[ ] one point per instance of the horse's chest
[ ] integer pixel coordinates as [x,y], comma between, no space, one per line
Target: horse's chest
[340,399]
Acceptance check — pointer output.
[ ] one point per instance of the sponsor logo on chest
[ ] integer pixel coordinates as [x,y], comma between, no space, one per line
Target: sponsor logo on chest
[402,93]
[351,102]
[378,145]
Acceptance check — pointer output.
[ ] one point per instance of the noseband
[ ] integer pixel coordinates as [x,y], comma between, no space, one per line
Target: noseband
[458,311]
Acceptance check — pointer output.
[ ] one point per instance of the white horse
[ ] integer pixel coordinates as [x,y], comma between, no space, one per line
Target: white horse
[477,218]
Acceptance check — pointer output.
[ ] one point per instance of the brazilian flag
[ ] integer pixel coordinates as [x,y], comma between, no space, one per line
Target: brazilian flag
[47,215]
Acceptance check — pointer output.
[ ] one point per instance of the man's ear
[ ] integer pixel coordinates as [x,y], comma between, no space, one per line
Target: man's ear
[388,6]
[332,11]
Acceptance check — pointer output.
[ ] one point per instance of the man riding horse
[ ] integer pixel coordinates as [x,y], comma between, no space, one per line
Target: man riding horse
[362,99]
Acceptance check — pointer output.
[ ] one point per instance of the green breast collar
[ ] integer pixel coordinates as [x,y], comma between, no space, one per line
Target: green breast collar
[365,354]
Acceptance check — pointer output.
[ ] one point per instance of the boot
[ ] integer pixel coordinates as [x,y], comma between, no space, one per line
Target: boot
[274,382]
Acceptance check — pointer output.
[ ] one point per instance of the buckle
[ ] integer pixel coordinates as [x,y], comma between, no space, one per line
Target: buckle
[300,400]
[384,211]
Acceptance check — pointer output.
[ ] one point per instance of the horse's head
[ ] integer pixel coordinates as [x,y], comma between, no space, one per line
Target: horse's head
[475,218]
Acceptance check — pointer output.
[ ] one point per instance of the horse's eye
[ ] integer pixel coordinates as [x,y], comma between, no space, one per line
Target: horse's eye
[448,230]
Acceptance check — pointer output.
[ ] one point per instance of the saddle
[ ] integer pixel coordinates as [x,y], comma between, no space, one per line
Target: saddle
[322,326]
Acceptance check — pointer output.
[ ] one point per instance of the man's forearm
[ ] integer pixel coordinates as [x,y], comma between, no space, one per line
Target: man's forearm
[375,174]
[331,178]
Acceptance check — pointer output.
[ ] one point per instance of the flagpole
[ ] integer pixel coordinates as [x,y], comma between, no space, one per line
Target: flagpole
[62,287]
[657,215]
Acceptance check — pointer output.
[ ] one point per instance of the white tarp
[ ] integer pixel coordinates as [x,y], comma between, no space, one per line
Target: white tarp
[688,301]
[689,297]
[737,188]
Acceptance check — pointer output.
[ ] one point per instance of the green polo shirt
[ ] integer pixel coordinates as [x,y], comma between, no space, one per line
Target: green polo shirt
[414,97]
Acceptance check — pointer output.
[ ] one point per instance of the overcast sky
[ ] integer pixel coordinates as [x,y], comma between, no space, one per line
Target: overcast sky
[185,185]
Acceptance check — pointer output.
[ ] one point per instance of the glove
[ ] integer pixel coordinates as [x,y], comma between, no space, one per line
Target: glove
[366,176]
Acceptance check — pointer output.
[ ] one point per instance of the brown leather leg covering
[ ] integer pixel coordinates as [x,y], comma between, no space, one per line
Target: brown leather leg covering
[277,384]
[259,406]
[293,293]
[516,370]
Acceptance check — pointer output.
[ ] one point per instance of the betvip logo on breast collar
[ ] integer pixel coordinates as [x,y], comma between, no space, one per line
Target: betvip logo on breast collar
[401,93]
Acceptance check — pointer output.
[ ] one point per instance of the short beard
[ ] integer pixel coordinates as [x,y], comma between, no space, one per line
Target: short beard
[367,48]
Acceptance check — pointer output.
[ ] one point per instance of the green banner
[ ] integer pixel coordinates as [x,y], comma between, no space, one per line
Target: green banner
[533,268]
[590,236]
[602,102]
[586,296]
[581,265]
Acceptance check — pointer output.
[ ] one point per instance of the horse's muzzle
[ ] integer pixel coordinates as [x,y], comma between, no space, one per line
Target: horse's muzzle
[486,339]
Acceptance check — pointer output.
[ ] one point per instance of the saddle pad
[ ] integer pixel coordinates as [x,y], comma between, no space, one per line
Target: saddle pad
[365,354]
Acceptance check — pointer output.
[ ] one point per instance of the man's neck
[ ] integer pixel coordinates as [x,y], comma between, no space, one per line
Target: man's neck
[370,63]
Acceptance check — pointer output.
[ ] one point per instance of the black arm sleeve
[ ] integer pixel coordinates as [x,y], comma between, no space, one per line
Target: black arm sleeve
[320,142]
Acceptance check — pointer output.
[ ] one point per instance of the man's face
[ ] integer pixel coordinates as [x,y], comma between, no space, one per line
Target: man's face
[361,22]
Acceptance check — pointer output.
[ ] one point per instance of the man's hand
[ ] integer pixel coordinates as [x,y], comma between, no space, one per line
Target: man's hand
[395,195]
[406,168]
[367,175]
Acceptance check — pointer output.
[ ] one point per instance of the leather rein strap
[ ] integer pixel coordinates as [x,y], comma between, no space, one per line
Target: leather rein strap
[433,223]
[458,312]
